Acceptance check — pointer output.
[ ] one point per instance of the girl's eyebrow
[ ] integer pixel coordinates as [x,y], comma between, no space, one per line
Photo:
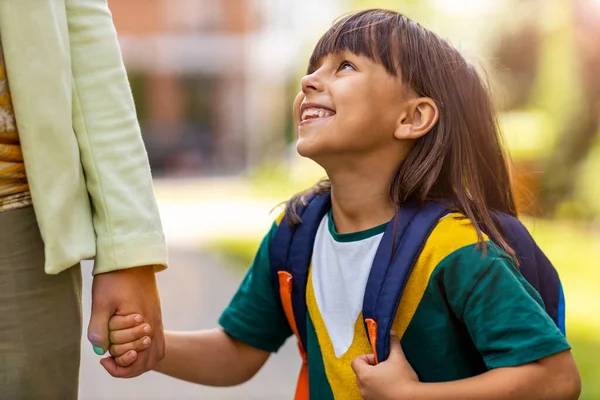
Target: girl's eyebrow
[312,68]
[317,64]
[335,55]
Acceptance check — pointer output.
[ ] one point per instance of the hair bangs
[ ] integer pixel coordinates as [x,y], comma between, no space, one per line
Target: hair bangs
[375,34]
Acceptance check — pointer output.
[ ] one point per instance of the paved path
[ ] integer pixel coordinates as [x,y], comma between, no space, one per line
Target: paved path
[194,290]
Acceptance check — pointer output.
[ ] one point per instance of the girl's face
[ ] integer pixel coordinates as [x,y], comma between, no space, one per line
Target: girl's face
[349,106]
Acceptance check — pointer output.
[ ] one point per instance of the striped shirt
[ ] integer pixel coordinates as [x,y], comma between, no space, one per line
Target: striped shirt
[14,190]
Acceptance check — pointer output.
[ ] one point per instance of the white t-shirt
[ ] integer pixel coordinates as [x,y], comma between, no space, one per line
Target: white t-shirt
[340,268]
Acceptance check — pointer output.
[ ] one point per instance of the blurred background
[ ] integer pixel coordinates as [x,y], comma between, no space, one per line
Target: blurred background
[214,82]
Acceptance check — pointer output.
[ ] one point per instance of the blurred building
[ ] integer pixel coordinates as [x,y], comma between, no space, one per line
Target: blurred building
[214,79]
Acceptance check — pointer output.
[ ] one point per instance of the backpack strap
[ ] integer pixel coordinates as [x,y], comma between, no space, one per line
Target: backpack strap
[289,272]
[398,251]
[413,225]
[535,266]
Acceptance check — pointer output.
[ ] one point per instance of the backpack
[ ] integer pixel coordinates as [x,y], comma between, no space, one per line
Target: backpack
[389,272]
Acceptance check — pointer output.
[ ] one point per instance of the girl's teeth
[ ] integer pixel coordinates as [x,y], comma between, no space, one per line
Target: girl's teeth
[316,113]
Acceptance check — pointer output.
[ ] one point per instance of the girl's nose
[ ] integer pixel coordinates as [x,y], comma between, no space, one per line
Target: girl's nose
[311,83]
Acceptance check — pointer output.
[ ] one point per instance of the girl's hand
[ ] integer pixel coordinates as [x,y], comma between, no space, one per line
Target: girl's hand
[128,335]
[393,379]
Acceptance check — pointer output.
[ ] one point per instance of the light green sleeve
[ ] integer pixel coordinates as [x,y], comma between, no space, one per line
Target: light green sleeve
[125,214]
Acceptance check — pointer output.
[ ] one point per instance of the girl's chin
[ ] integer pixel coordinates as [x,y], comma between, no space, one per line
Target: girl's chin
[303,148]
[314,151]
[308,148]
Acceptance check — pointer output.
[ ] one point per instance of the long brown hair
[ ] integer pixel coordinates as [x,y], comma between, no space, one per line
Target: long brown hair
[461,161]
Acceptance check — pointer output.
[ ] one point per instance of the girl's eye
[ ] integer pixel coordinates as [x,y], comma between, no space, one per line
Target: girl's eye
[346,66]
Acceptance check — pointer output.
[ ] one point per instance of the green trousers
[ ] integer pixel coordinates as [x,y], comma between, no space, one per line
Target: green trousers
[40,316]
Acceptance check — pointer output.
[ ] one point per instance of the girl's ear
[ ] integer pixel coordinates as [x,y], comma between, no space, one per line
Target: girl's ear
[420,116]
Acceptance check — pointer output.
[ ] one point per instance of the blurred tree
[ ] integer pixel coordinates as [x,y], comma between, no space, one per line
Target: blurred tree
[580,127]
[516,54]
[548,57]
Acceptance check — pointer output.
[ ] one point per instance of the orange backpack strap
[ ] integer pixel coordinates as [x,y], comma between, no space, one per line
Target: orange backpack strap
[285,294]
[289,271]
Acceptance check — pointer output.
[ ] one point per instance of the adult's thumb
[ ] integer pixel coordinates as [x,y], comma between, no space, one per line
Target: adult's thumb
[98,329]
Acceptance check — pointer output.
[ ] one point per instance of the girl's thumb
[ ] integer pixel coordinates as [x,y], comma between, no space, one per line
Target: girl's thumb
[395,347]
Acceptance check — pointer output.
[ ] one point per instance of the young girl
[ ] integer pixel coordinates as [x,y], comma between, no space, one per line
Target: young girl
[392,113]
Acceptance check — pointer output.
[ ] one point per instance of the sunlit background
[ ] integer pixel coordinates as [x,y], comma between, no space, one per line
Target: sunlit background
[214,81]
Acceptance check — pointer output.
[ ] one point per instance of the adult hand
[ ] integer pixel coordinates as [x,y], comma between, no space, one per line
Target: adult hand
[125,292]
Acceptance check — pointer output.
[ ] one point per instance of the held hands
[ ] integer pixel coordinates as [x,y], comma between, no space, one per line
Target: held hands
[393,379]
[129,335]
[125,293]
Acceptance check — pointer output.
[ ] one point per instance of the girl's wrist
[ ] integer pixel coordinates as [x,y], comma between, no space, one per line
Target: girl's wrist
[408,390]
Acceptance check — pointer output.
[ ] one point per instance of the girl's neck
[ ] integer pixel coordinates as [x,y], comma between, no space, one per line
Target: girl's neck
[360,202]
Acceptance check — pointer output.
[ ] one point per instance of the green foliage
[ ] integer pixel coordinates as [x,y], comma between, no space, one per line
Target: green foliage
[558,88]
[575,251]
[282,181]
[239,251]
[528,133]
[587,191]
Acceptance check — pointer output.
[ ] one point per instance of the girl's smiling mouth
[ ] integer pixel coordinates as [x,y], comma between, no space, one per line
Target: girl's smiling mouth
[311,112]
